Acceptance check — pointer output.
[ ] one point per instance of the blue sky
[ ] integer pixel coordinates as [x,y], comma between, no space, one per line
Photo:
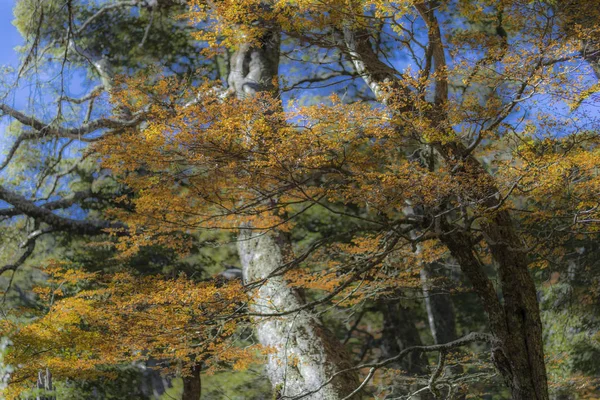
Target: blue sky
[9,39]
[9,36]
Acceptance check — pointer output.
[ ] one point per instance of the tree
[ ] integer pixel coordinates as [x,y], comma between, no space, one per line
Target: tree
[299,339]
[429,161]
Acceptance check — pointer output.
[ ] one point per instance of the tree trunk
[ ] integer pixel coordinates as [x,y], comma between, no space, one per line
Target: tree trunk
[304,354]
[523,342]
[399,332]
[439,305]
[44,384]
[440,313]
[516,323]
[152,381]
[192,385]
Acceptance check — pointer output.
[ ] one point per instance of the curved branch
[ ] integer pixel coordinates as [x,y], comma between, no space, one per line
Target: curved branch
[437,373]
[95,92]
[445,347]
[51,205]
[30,246]
[373,71]
[44,129]
[45,215]
[105,8]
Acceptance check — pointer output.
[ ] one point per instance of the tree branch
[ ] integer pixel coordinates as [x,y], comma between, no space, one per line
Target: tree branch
[72,133]
[445,347]
[45,215]
[51,205]
[30,246]
[436,49]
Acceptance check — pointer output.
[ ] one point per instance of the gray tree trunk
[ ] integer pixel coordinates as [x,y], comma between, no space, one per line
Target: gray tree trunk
[305,355]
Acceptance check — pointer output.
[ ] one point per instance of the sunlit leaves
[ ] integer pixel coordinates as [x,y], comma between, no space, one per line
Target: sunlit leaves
[121,319]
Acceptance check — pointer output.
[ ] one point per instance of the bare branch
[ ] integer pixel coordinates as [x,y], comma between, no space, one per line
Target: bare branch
[30,246]
[45,215]
[437,373]
[74,133]
[445,347]
[95,92]
[105,8]
[52,205]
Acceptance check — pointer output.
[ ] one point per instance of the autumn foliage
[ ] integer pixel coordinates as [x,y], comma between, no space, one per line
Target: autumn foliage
[475,154]
[91,322]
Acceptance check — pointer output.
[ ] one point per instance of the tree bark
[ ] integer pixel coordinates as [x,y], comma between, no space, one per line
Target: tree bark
[439,305]
[304,354]
[516,323]
[192,385]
